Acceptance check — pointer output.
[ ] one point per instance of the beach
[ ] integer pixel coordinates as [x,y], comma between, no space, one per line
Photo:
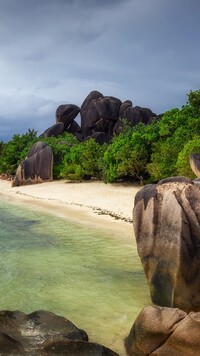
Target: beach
[92,202]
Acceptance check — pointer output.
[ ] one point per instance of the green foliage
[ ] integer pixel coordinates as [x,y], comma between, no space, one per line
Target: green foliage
[12,152]
[176,128]
[61,146]
[194,101]
[82,161]
[145,152]
[183,161]
[128,154]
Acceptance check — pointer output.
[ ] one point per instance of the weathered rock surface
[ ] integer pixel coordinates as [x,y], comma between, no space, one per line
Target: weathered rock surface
[37,167]
[99,113]
[164,331]
[166,221]
[43,333]
[54,130]
[66,113]
[195,164]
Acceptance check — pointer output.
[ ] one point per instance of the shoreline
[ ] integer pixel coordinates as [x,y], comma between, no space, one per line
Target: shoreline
[93,203]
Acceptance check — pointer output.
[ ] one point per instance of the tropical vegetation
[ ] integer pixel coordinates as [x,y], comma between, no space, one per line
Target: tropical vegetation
[145,152]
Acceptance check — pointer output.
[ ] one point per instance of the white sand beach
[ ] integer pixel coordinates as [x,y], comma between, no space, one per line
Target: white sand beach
[93,202]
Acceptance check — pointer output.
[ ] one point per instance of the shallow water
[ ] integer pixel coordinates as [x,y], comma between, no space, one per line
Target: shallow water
[91,276]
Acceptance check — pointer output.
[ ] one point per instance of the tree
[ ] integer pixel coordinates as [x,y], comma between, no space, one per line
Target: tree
[183,161]
[12,152]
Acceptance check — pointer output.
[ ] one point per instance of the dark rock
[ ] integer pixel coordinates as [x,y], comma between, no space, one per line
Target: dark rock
[75,130]
[75,348]
[43,333]
[99,114]
[166,221]
[130,116]
[88,111]
[66,113]
[54,130]
[126,104]
[10,346]
[195,164]
[37,167]
[99,137]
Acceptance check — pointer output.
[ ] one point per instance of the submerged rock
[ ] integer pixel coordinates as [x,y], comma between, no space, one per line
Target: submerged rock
[44,333]
[166,221]
[164,331]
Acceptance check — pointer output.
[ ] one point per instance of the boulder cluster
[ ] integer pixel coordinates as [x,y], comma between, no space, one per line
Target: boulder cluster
[44,333]
[101,117]
[166,220]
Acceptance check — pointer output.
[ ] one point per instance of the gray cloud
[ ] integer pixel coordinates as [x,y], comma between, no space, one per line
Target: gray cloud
[57,51]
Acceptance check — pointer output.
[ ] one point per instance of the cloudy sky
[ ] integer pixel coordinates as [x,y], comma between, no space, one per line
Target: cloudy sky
[55,52]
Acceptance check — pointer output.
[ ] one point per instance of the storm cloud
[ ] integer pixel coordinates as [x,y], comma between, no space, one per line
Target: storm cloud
[54,52]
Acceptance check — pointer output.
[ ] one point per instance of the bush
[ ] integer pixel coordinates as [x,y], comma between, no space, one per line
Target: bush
[183,161]
[175,129]
[61,146]
[82,161]
[13,152]
[128,153]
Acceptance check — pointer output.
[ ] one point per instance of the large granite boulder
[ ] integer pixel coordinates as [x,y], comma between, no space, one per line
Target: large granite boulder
[66,113]
[132,116]
[166,221]
[164,331]
[99,113]
[89,113]
[125,105]
[54,130]
[37,166]
[44,333]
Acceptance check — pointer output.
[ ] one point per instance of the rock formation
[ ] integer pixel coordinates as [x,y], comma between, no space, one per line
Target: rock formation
[166,219]
[164,331]
[37,166]
[66,114]
[43,333]
[167,229]
[54,130]
[101,117]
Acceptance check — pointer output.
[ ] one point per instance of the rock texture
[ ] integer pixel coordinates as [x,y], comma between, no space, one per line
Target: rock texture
[164,331]
[43,333]
[66,114]
[37,167]
[167,228]
[54,130]
[101,117]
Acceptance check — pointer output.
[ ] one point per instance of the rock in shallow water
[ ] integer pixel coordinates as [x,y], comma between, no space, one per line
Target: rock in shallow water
[43,333]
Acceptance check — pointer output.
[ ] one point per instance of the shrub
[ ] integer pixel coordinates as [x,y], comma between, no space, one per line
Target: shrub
[183,161]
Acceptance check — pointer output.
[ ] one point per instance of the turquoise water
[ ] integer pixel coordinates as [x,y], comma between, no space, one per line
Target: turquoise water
[91,276]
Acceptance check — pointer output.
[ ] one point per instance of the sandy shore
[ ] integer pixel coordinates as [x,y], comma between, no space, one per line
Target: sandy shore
[87,202]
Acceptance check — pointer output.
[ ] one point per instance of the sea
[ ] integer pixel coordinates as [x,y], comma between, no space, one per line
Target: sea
[92,276]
